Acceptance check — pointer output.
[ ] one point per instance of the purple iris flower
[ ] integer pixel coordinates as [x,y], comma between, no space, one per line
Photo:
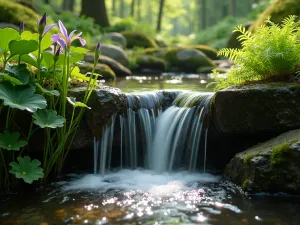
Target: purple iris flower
[64,39]
[43,29]
[21,29]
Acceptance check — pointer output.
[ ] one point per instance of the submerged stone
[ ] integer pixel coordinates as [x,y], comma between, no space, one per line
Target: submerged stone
[272,166]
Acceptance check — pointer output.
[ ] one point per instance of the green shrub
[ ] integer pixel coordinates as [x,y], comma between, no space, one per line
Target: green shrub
[14,13]
[137,39]
[271,53]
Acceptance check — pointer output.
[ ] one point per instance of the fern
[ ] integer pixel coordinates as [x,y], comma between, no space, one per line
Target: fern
[271,53]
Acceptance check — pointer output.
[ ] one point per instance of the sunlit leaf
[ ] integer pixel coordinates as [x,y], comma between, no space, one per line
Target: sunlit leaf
[10,141]
[29,59]
[7,35]
[21,97]
[73,102]
[79,50]
[22,47]
[48,118]
[48,60]
[26,169]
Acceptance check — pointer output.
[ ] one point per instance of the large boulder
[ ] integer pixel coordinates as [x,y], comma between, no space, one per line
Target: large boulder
[157,52]
[137,39]
[118,68]
[115,37]
[257,109]
[187,60]
[9,25]
[233,41]
[104,70]
[278,11]
[148,62]
[212,53]
[115,53]
[272,166]
[14,13]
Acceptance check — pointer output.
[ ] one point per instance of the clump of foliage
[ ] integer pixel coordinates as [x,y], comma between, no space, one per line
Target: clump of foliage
[271,53]
[279,154]
[36,80]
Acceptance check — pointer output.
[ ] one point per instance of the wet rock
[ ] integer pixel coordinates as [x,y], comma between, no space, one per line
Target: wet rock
[9,25]
[156,52]
[272,166]
[233,41]
[138,39]
[257,109]
[115,37]
[188,60]
[115,53]
[118,68]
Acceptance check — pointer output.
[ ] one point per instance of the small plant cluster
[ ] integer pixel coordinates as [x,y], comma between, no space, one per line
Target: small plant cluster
[271,54]
[36,79]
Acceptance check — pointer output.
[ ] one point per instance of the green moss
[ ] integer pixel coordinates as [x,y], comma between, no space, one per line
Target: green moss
[249,157]
[280,154]
[150,62]
[101,69]
[278,10]
[212,53]
[14,13]
[137,39]
[157,52]
[245,184]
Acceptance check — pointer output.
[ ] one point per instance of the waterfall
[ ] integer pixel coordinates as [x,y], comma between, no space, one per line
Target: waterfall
[156,139]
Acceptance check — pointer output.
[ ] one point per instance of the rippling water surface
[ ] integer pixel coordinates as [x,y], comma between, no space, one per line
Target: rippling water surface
[143,197]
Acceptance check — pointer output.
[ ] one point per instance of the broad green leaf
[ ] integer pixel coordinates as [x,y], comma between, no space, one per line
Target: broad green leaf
[29,59]
[48,60]
[26,169]
[21,97]
[19,72]
[48,118]
[22,47]
[6,76]
[10,141]
[79,50]
[7,35]
[46,91]
[73,102]
[81,77]
[51,75]
[27,35]
[74,58]
[46,41]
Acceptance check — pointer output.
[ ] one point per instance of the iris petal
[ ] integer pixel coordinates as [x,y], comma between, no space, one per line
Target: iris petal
[71,34]
[63,30]
[82,41]
[47,28]
[55,37]
[62,43]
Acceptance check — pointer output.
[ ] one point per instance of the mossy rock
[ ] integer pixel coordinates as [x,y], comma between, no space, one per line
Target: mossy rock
[104,70]
[14,13]
[156,52]
[137,39]
[233,41]
[151,63]
[272,166]
[278,11]
[212,53]
[187,59]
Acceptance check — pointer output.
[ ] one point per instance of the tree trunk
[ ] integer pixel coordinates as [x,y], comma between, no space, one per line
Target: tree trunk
[113,8]
[203,14]
[68,5]
[122,8]
[160,15]
[47,1]
[233,7]
[138,12]
[95,9]
[132,8]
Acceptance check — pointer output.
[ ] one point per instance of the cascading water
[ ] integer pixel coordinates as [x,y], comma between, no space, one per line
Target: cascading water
[157,140]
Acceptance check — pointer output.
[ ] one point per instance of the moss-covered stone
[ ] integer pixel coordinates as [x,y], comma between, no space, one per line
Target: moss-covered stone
[150,62]
[104,70]
[212,53]
[278,11]
[137,39]
[14,13]
[187,59]
[157,52]
[257,109]
[271,166]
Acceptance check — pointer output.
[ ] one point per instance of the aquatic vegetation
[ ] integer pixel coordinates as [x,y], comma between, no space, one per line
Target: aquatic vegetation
[36,80]
[271,53]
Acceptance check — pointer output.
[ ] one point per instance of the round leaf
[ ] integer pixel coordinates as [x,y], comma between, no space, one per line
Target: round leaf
[21,97]
[48,118]
[26,169]
[10,141]
[22,47]
[7,35]
[19,72]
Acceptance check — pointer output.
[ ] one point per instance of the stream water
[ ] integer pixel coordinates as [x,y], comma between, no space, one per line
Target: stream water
[160,178]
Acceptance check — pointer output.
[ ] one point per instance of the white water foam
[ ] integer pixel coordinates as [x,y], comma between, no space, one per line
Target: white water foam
[141,180]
